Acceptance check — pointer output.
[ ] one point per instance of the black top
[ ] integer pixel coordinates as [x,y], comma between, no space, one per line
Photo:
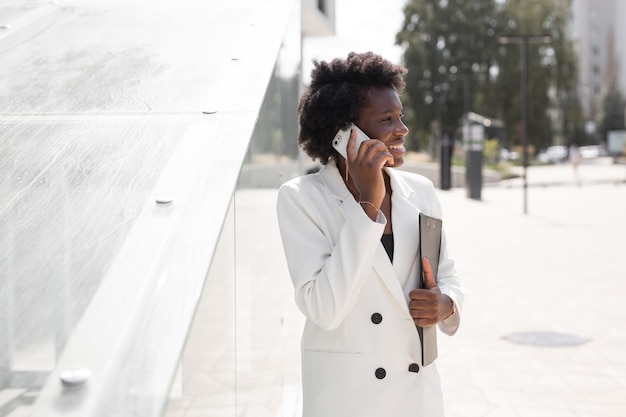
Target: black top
[387,241]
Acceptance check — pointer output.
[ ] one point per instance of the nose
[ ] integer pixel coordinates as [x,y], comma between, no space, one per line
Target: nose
[401,129]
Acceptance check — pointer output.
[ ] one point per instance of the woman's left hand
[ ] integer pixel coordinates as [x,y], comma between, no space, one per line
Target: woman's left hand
[428,306]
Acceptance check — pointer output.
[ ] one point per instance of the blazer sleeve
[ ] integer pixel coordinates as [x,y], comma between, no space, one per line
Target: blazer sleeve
[327,271]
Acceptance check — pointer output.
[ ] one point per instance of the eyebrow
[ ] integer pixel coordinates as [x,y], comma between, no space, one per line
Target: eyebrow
[391,111]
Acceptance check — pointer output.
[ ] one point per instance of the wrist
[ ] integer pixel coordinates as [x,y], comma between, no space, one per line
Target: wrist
[377,201]
[451,310]
[370,209]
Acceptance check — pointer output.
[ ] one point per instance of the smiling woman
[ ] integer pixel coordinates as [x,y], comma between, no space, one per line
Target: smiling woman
[350,235]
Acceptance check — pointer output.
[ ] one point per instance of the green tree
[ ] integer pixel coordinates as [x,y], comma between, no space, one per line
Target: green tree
[448,48]
[456,64]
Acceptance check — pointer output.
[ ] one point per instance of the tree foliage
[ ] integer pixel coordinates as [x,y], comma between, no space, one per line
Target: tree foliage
[456,64]
[448,47]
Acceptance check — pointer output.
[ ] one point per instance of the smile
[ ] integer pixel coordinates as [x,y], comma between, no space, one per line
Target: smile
[395,147]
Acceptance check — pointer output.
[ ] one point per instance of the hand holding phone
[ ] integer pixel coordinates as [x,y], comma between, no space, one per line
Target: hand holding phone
[340,142]
[366,173]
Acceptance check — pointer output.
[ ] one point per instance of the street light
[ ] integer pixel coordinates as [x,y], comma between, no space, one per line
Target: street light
[524,40]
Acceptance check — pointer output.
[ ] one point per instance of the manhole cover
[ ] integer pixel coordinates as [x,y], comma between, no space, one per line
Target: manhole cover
[546,339]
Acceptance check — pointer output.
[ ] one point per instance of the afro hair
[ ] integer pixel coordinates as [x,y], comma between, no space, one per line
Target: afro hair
[337,92]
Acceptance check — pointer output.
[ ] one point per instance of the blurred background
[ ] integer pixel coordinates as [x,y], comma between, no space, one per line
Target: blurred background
[142,144]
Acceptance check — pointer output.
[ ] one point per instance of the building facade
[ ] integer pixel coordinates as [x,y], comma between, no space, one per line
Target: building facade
[598,30]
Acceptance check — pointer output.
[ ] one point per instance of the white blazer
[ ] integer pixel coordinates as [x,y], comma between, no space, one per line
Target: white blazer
[360,347]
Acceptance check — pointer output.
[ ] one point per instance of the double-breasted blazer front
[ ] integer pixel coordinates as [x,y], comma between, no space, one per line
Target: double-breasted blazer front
[360,348]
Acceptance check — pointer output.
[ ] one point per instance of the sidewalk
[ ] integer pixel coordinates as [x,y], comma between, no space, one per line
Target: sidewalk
[590,172]
[555,272]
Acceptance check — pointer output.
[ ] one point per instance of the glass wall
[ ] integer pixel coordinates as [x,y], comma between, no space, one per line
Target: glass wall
[242,354]
[123,128]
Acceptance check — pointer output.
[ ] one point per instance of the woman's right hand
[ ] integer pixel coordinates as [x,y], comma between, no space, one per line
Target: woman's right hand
[365,168]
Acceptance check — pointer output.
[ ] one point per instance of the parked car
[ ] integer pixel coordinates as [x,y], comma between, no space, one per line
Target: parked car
[553,154]
[590,151]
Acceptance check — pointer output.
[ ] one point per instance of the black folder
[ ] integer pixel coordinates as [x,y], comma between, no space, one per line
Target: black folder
[429,247]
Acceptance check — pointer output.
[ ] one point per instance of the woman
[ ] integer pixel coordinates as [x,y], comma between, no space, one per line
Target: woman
[350,234]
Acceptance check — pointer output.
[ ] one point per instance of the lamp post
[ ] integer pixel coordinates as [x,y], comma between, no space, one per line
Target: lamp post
[524,40]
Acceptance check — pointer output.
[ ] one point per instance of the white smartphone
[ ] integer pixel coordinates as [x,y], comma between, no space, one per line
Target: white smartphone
[340,142]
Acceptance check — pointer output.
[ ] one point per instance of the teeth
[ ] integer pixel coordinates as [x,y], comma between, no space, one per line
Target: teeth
[395,146]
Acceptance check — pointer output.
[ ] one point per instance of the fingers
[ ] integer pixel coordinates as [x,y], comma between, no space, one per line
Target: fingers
[365,162]
[424,314]
[429,277]
[425,303]
[375,152]
[368,151]
[350,148]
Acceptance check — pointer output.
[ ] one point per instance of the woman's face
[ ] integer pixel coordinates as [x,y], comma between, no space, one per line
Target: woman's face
[381,118]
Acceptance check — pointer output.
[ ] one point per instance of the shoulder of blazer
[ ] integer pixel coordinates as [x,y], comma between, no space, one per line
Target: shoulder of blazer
[327,181]
[311,190]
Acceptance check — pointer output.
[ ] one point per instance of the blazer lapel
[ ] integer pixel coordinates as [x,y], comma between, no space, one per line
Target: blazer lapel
[405,216]
[388,275]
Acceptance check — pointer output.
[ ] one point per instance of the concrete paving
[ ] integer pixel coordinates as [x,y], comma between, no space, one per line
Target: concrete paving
[554,278]
[558,271]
